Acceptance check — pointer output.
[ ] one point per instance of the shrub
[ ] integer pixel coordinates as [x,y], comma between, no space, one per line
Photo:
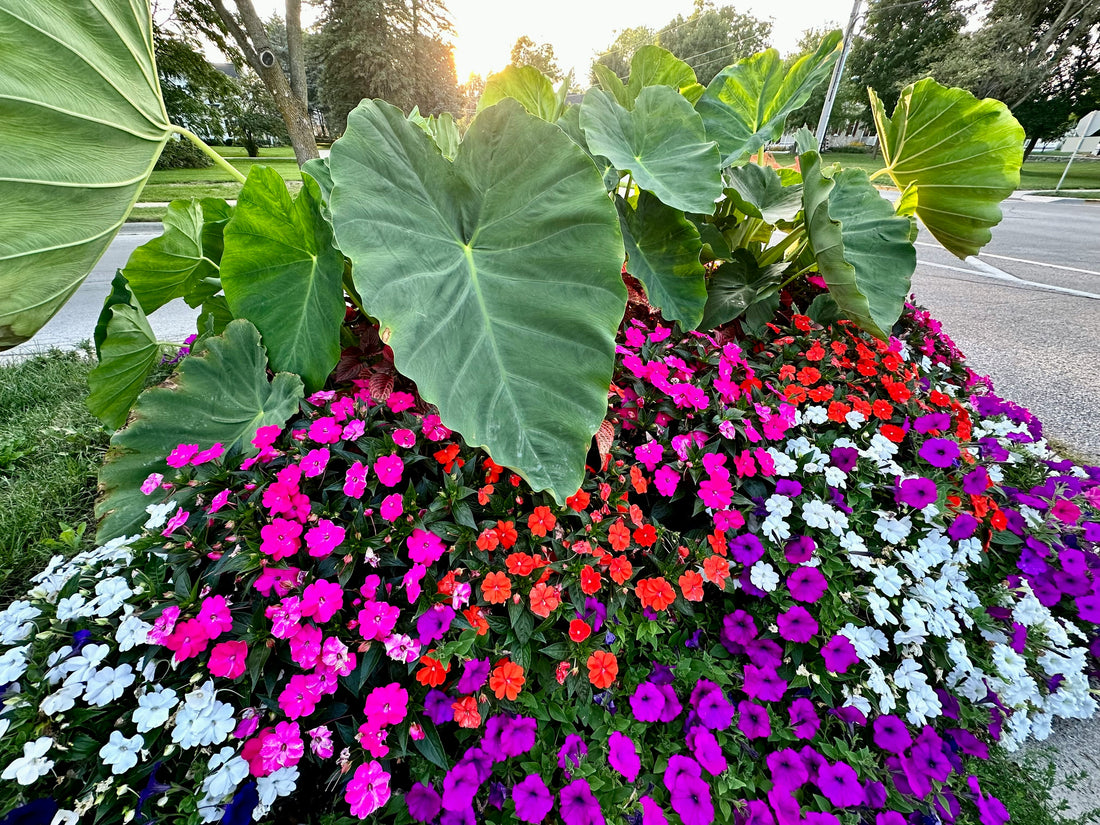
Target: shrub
[809,572]
[182,154]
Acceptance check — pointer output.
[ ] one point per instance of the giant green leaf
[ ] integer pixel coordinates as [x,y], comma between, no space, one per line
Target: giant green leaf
[737,285]
[81,125]
[442,129]
[746,104]
[862,248]
[128,351]
[175,265]
[662,250]
[495,278]
[963,154]
[281,271]
[654,66]
[527,85]
[759,192]
[661,142]
[221,394]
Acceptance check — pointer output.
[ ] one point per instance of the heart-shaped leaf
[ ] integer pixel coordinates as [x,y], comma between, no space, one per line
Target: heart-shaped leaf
[746,104]
[127,350]
[963,155]
[654,66]
[862,248]
[662,250]
[495,279]
[662,143]
[281,271]
[221,394]
[759,192]
[81,124]
[175,265]
[737,285]
[526,84]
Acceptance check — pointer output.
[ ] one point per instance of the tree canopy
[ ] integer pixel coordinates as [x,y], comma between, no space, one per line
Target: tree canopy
[526,52]
[712,37]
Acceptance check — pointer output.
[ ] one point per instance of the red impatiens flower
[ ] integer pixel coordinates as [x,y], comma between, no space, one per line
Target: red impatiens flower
[638,480]
[579,630]
[483,494]
[541,521]
[507,680]
[716,570]
[578,501]
[882,409]
[466,712]
[655,593]
[492,471]
[506,532]
[620,569]
[691,585]
[448,457]
[646,535]
[619,536]
[476,619]
[603,667]
[520,564]
[488,540]
[591,580]
[496,588]
[544,600]
[433,673]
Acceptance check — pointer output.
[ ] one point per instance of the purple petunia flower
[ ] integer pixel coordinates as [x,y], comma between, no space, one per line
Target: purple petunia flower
[788,487]
[807,584]
[706,750]
[765,653]
[434,623]
[518,737]
[976,481]
[840,784]
[691,800]
[799,549]
[475,672]
[438,707]
[754,720]
[932,421]
[939,452]
[578,806]
[498,795]
[423,802]
[890,734]
[460,785]
[647,702]
[797,625]
[844,458]
[917,492]
[839,654]
[672,705]
[533,799]
[622,755]
[462,817]
[763,684]
[804,718]
[746,549]
[652,813]
[962,527]
[712,706]
[571,751]
[787,769]
[738,628]
[679,767]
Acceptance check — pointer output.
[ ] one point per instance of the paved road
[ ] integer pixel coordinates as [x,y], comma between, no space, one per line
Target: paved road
[77,319]
[1038,340]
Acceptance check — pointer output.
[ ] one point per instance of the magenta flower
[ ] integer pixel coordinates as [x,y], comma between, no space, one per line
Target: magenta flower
[939,452]
[325,430]
[672,706]
[377,620]
[711,705]
[218,502]
[840,784]
[404,438]
[533,799]
[336,657]
[433,428]
[518,736]
[571,751]
[649,454]
[754,720]
[305,646]
[807,584]
[299,698]
[577,806]
[460,786]
[282,747]
[389,468]
[368,790]
[647,702]
[320,742]
[280,538]
[839,654]
[890,734]
[322,600]
[623,755]
[355,480]
[178,519]
[400,401]
[393,506]
[763,684]
[424,547]
[787,769]
[716,493]
[423,802]
[214,616]
[322,539]
[151,483]
[475,672]
[181,455]
[706,750]
[228,659]
[386,705]
[691,800]
[797,625]
[652,813]
[213,453]
[917,492]
[314,462]
[434,623]
[991,810]
[799,549]
[666,480]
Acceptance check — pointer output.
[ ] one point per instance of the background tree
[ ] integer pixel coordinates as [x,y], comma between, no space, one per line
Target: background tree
[900,41]
[196,93]
[1041,58]
[526,52]
[469,93]
[711,37]
[618,54]
[850,98]
[252,116]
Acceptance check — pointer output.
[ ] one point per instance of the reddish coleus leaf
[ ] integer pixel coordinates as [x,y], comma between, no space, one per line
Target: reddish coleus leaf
[381,385]
[605,437]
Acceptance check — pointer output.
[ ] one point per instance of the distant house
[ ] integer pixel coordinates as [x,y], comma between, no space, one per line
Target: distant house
[1085,137]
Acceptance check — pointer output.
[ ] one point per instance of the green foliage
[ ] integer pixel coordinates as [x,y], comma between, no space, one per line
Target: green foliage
[963,154]
[618,55]
[182,154]
[515,360]
[221,394]
[736,286]
[540,56]
[275,246]
[746,105]
[527,85]
[711,37]
[759,192]
[70,195]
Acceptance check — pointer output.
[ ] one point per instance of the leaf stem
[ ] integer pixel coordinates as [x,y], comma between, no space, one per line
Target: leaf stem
[773,254]
[879,173]
[214,156]
[796,275]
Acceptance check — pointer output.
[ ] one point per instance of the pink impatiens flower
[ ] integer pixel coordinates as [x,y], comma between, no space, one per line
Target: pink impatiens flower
[321,600]
[228,659]
[320,742]
[336,657]
[305,646]
[214,616]
[299,698]
[386,705]
[424,547]
[178,519]
[389,468]
[368,790]
[280,538]
[324,538]
[182,454]
[649,454]
[666,480]
[151,483]
[400,401]
[433,429]
[188,639]
[392,506]
[314,462]
[218,502]
[325,430]
[355,480]
[282,747]
[211,454]
[404,438]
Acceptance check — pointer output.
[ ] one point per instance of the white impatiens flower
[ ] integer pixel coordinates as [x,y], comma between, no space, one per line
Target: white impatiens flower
[816,514]
[281,783]
[79,669]
[893,530]
[763,575]
[880,607]
[13,664]
[62,699]
[108,684]
[16,622]
[158,514]
[132,632]
[836,477]
[208,724]
[73,607]
[120,752]
[815,415]
[226,771]
[111,594]
[855,419]
[33,764]
[153,709]
[858,555]
[784,464]
[888,581]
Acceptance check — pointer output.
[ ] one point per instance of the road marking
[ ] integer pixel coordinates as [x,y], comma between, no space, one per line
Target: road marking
[987,270]
[1023,261]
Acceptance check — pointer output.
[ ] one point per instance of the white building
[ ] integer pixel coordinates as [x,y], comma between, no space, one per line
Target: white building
[1085,137]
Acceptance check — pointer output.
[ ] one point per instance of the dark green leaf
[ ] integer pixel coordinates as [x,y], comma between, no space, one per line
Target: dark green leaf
[431,748]
[736,286]
[281,271]
[823,310]
[759,192]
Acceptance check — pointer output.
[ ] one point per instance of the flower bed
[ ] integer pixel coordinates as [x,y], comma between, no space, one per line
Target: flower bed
[808,577]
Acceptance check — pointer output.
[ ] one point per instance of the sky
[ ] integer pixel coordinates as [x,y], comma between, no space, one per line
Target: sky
[579,29]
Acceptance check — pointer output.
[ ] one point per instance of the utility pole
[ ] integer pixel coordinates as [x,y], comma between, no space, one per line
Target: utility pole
[1084,134]
[838,72]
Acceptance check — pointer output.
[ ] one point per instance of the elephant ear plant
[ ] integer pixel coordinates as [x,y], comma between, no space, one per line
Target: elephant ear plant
[491,260]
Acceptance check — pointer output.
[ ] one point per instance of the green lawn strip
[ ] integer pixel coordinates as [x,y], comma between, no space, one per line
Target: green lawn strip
[1088,194]
[50,450]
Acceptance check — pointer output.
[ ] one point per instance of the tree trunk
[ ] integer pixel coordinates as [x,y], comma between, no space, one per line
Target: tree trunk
[253,42]
[295,52]
[1030,145]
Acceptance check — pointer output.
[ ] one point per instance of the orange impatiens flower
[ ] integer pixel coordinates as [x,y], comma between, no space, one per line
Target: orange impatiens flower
[716,570]
[506,532]
[496,588]
[466,712]
[488,540]
[541,521]
[507,680]
[619,536]
[579,630]
[476,619]
[448,457]
[621,569]
[545,599]
[520,564]
[578,501]
[591,580]
[492,471]
[655,593]
[483,494]
[638,480]
[603,667]
[691,585]
[433,673]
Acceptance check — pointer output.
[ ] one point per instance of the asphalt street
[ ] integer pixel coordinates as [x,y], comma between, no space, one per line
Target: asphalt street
[1037,337]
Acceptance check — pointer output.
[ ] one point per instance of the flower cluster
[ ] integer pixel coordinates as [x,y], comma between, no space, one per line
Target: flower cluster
[808,577]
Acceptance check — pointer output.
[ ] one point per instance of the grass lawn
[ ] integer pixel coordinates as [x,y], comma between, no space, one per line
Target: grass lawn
[50,450]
